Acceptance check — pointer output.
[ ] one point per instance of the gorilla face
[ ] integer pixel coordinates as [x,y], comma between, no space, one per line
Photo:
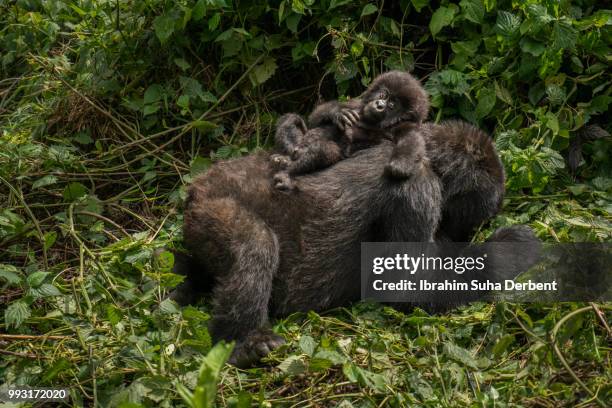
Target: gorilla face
[381,107]
[392,99]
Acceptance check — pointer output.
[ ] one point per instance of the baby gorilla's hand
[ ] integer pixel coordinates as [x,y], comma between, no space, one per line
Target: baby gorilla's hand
[280,161]
[346,118]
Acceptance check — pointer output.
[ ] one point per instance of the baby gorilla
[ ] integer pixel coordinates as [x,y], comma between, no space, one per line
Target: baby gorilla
[393,107]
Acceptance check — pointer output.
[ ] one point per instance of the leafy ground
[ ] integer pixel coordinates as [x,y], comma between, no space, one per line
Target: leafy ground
[108,109]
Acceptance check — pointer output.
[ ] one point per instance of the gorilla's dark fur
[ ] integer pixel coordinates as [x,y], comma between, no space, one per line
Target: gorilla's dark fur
[393,107]
[271,253]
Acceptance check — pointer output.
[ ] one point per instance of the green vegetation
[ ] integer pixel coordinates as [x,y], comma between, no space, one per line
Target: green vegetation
[108,108]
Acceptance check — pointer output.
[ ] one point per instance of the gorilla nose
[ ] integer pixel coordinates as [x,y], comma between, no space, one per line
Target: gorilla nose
[380,104]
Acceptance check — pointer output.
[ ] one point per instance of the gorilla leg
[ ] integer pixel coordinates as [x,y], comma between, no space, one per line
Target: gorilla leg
[414,207]
[317,153]
[242,252]
[290,129]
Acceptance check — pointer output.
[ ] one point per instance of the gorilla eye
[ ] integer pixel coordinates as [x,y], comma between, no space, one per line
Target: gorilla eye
[383,94]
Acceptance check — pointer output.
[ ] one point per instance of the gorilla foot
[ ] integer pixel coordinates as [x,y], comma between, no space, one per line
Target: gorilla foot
[258,344]
[280,161]
[282,181]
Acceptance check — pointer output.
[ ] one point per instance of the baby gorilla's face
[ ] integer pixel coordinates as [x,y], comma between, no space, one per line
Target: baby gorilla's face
[380,107]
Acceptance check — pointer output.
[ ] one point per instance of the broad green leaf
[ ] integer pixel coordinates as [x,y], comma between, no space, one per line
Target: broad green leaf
[473,10]
[292,22]
[419,4]
[164,27]
[337,3]
[46,290]
[440,19]
[49,239]
[169,306]
[214,21]
[486,102]
[264,71]
[199,10]
[10,274]
[460,355]
[502,344]
[113,314]
[532,47]
[44,181]
[74,191]
[36,279]
[292,365]
[564,36]
[16,313]
[153,94]
[200,165]
[150,109]
[368,9]
[307,344]
[507,24]
[552,122]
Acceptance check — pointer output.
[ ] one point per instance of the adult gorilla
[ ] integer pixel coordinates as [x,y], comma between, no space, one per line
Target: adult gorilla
[271,253]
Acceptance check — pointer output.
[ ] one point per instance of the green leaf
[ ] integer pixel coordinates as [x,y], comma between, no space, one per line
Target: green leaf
[473,10]
[164,27]
[552,122]
[486,102]
[292,22]
[419,4]
[74,191]
[199,10]
[47,290]
[292,365]
[16,313]
[564,36]
[502,344]
[307,344]
[337,3]
[368,9]
[214,21]
[507,24]
[113,314]
[153,94]
[49,239]
[460,355]
[440,19]
[532,47]
[169,306]
[264,71]
[10,274]
[150,109]
[44,181]
[203,125]
[357,48]
[36,279]
[200,165]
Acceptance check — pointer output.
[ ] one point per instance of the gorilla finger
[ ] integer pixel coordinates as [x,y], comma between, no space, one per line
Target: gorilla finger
[354,115]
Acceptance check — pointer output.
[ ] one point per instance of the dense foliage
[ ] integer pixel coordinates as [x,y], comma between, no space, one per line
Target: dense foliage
[108,109]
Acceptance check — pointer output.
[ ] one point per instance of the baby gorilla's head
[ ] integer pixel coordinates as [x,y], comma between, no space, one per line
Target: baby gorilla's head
[392,99]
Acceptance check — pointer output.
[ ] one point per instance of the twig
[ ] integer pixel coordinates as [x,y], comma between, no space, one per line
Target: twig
[601,317]
[26,355]
[108,220]
[553,340]
[32,337]
[41,236]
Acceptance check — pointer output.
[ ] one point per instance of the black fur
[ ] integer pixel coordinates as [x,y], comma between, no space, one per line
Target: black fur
[394,106]
[272,253]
